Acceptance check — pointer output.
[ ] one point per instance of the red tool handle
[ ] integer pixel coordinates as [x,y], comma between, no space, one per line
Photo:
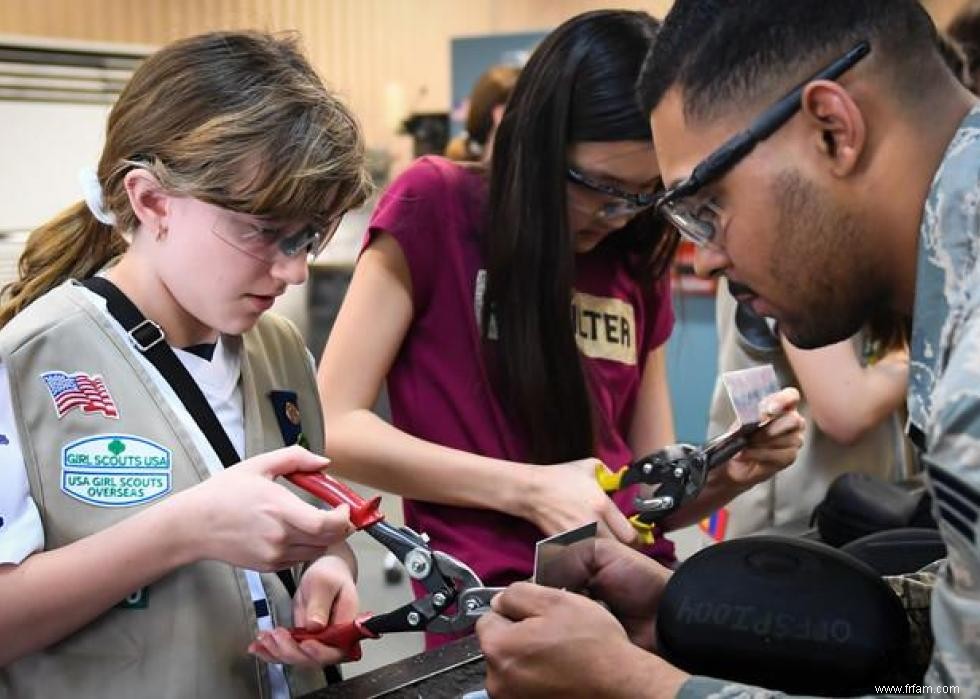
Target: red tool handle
[363,513]
[346,637]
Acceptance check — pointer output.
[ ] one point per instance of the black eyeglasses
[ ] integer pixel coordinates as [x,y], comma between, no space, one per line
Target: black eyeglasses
[689,217]
[628,204]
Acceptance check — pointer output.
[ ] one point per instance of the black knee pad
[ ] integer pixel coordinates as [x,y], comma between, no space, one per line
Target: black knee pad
[898,551]
[785,614]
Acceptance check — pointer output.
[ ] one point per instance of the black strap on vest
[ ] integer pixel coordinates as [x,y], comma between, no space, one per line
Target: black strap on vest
[148,338]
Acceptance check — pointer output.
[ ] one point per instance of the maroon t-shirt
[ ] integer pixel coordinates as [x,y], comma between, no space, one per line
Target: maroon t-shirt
[438,387]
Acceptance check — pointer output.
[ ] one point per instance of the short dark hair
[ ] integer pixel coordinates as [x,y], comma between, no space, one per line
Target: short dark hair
[725,51]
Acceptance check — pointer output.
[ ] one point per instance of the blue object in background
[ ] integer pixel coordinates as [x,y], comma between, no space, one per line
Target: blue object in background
[692,364]
[472,55]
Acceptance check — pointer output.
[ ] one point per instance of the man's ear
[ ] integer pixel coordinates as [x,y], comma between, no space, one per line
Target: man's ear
[837,125]
[148,200]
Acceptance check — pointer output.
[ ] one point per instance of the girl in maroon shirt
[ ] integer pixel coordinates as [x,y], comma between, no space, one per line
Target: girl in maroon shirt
[518,311]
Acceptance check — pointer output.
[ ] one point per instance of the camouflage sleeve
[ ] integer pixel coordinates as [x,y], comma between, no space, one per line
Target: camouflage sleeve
[952,460]
[915,592]
[708,687]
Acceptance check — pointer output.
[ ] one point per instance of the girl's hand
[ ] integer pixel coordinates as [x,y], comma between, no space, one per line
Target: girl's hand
[326,595]
[242,517]
[568,495]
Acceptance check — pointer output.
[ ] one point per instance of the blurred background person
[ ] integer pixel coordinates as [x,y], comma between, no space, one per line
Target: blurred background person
[964,29]
[485,107]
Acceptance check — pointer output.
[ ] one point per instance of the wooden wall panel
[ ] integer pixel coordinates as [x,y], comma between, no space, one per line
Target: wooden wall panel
[359,46]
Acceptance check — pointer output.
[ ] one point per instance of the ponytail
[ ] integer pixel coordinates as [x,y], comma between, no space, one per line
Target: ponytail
[73,245]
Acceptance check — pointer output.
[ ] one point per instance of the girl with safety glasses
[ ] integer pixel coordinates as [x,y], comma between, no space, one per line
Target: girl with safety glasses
[136,557]
[517,311]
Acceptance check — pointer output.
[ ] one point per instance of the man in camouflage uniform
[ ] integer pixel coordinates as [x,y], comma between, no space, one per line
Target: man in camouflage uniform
[857,193]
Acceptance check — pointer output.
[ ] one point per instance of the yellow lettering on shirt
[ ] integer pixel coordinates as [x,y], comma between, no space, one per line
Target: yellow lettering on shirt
[604,328]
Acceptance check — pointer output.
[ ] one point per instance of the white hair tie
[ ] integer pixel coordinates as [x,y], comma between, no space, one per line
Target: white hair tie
[88,178]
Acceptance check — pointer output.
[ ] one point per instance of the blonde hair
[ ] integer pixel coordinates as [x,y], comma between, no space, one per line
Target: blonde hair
[236,119]
[491,89]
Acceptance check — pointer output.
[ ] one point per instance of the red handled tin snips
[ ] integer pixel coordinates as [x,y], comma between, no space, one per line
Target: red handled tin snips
[456,596]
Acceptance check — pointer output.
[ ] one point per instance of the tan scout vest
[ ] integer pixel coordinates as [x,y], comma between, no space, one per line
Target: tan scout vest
[190,639]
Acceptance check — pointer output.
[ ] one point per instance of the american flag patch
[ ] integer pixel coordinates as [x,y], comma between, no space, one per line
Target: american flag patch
[79,390]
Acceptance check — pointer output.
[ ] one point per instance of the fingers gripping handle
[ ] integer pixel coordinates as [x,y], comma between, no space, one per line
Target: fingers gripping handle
[609,481]
[363,513]
[346,637]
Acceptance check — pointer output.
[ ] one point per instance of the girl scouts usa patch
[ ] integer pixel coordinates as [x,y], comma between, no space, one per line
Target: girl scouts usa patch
[115,470]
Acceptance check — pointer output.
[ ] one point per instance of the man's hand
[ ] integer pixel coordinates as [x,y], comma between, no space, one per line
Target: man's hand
[631,585]
[543,642]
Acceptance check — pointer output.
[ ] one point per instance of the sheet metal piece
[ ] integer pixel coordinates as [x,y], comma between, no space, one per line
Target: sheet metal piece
[562,560]
[456,668]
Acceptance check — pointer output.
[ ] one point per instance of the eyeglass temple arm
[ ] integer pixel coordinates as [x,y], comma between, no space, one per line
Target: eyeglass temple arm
[740,145]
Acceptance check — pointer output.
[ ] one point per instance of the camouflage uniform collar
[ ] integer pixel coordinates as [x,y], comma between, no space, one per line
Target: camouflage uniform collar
[947,258]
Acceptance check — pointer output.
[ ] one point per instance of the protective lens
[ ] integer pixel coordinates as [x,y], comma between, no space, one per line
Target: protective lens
[689,223]
[311,238]
[618,209]
[266,243]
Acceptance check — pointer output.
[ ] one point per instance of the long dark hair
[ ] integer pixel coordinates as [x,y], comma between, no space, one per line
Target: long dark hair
[577,86]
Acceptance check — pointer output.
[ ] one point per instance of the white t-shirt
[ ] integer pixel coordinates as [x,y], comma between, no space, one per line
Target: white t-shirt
[21,530]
